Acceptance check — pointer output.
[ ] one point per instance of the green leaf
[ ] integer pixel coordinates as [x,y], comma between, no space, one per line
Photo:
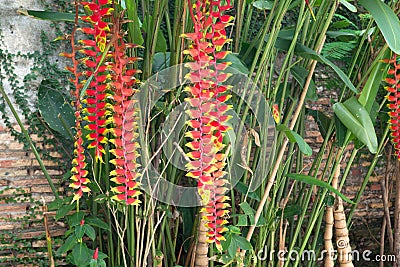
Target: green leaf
[68,244]
[313,181]
[234,229]
[79,232]
[161,61]
[349,6]
[64,210]
[244,189]
[233,246]
[93,263]
[242,220]
[134,32]
[89,231]
[341,33]
[290,211]
[227,242]
[66,176]
[247,209]
[81,255]
[58,113]
[305,52]
[96,222]
[56,204]
[371,86]
[243,243]
[354,116]
[341,132]
[76,218]
[236,63]
[386,20]
[48,15]
[263,4]
[300,75]
[295,138]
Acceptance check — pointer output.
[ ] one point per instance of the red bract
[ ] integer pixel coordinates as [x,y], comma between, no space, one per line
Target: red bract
[207,96]
[125,126]
[97,92]
[393,81]
[96,254]
[79,180]
[100,27]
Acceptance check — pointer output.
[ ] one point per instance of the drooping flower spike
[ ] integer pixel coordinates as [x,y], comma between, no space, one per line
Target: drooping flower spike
[79,180]
[393,88]
[125,126]
[98,90]
[207,95]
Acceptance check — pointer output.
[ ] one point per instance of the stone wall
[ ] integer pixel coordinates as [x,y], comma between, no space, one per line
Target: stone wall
[23,187]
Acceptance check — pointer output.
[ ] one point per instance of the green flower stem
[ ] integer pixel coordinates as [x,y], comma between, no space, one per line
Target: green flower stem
[283,148]
[28,138]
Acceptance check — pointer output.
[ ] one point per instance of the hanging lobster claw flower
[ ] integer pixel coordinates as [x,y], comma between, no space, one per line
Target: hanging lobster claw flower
[208,123]
[393,88]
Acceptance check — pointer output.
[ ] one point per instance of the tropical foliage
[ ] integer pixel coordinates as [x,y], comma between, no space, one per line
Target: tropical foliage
[244,71]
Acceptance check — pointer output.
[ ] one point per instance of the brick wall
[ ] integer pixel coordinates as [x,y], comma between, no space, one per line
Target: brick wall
[23,190]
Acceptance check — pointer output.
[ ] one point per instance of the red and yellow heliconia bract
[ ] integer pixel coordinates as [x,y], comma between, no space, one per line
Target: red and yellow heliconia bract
[79,172]
[97,108]
[106,108]
[393,88]
[275,113]
[208,124]
[125,127]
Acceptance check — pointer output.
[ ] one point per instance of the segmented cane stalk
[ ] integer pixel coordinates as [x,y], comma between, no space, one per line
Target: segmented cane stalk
[345,257]
[329,221]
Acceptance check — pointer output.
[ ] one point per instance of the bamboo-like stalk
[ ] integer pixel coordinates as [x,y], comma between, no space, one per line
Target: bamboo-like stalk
[329,221]
[201,244]
[341,231]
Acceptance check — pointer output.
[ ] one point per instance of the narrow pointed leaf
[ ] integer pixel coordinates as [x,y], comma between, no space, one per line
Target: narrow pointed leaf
[300,75]
[306,52]
[386,20]
[349,6]
[313,181]
[295,138]
[48,15]
[370,89]
[135,34]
